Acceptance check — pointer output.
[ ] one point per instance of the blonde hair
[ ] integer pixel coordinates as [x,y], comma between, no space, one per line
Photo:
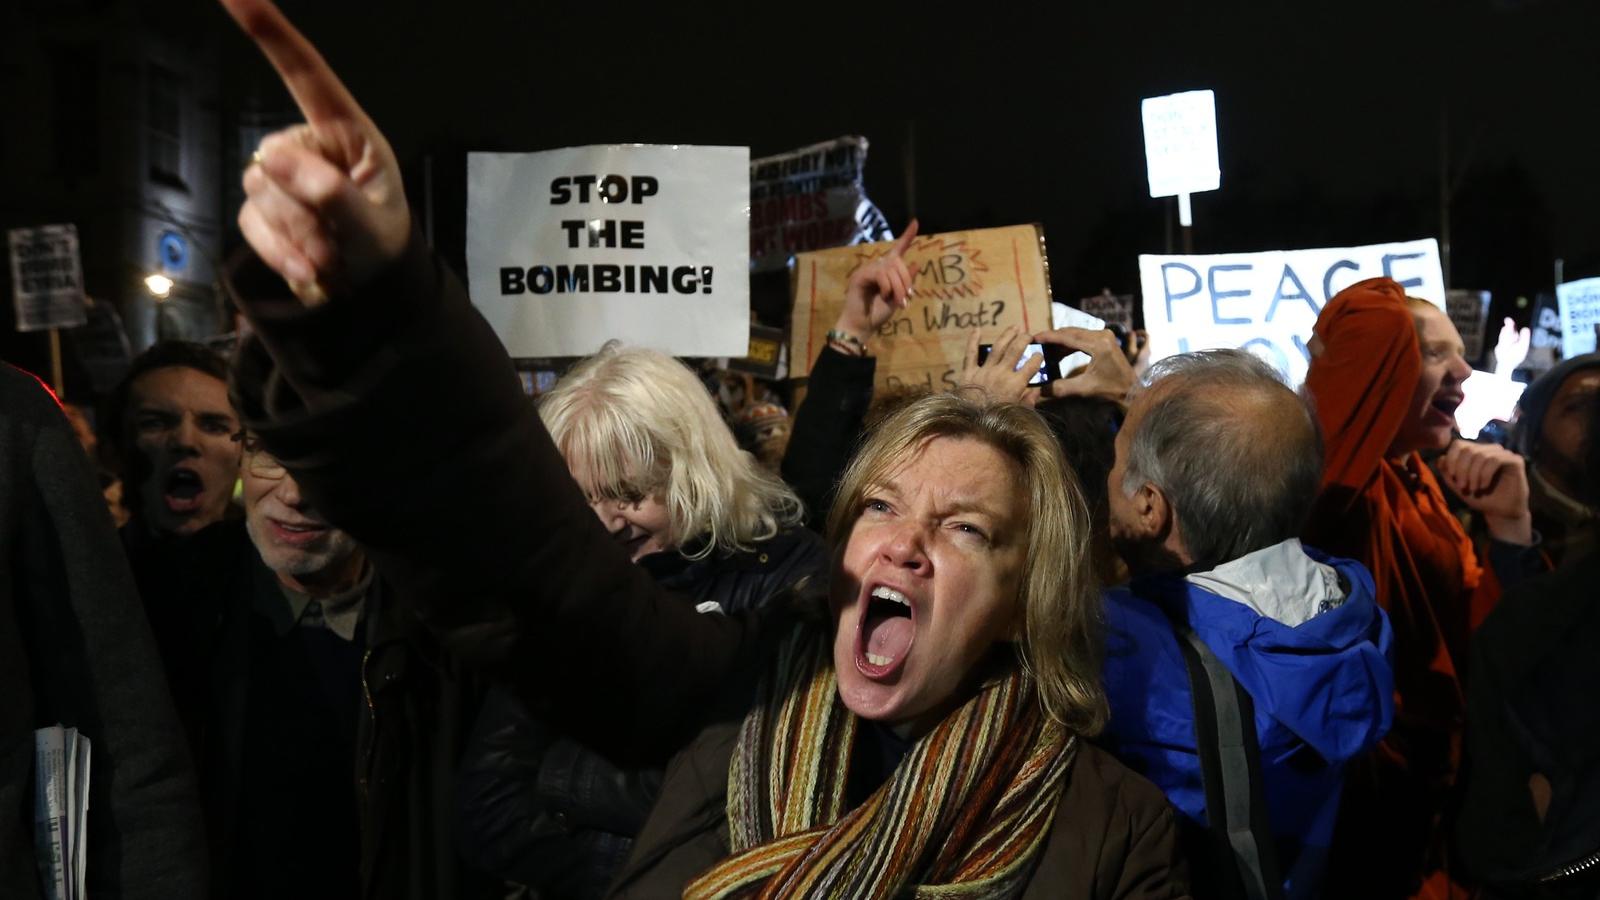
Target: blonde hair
[638,423]
[1061,645]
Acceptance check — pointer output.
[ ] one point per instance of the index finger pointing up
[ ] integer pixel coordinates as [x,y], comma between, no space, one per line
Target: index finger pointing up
[318,92]
[903,242]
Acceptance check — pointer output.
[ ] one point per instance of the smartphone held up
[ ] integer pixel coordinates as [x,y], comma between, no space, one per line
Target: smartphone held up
[1044,358]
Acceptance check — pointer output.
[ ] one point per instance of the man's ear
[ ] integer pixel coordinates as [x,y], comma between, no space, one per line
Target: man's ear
[1159,522]
[1152,514]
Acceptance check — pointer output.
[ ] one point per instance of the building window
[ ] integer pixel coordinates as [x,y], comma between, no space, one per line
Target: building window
[164,127]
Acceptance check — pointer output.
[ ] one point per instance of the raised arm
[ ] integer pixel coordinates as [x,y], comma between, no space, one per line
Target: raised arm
[827,425]
[396,408]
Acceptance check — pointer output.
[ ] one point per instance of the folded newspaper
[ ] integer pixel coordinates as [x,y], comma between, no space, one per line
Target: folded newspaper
[61,810]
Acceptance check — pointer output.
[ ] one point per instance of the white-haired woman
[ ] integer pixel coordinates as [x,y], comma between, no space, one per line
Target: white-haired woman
[662,472]
[919,734]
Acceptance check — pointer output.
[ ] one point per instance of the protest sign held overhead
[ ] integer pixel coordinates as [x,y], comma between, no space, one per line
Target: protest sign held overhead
[1544,339]
[1180,143]
[47,278]
[810,199]
[567,249]
[986,279]
[1580,313]
[1113,309]
[1268,302]
[1469,312]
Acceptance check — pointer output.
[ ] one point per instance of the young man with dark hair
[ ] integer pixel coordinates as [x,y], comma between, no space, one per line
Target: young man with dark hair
[170,425]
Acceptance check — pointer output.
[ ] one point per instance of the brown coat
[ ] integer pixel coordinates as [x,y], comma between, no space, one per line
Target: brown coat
[403,422]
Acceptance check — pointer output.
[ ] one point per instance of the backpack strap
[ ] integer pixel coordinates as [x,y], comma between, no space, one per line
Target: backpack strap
[1230,768]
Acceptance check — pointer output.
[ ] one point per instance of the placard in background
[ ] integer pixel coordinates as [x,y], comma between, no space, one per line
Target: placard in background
[1268,302]
[567,249]
[986,279]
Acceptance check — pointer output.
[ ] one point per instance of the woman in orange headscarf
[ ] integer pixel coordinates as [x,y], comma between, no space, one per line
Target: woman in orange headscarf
[1386,375]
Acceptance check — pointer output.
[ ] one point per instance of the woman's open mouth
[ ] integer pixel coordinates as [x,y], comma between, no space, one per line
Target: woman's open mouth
[884,633]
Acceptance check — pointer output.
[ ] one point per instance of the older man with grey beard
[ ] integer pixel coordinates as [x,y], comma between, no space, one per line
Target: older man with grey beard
[1243,669]
[326,722]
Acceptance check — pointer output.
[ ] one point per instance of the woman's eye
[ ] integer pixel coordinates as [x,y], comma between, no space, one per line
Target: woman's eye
[875,505]
[971,530]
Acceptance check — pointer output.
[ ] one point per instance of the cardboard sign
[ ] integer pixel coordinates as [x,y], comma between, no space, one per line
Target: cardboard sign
[985,279]
[1580,313]
[567,249]
[1180,143]
[810,199]
[1469,312]
[47,278]
[1268,302]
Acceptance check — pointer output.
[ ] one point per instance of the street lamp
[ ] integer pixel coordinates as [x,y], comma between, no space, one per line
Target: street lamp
[160,285]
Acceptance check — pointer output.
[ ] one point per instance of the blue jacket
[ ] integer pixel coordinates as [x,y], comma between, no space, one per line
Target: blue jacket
[1323,693]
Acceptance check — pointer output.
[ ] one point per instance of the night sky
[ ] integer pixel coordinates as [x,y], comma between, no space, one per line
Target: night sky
[1329,114]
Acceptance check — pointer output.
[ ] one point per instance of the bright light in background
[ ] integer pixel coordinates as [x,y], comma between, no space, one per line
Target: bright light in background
[1488,397]
[160,285]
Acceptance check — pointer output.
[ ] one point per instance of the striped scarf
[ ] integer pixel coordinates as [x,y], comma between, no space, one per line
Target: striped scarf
[964,815]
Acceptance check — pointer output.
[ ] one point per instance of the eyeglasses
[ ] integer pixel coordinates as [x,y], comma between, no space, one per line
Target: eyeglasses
[257,460]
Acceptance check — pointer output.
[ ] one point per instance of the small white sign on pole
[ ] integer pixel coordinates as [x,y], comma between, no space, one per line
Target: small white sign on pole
[567,249]
[1580,312]
[1269,302]
[47,278]
[1180,146]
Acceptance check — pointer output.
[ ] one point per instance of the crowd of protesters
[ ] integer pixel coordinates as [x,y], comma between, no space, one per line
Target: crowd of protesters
[378,626]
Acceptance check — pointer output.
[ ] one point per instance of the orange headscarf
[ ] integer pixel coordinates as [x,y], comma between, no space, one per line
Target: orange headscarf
[1391,515]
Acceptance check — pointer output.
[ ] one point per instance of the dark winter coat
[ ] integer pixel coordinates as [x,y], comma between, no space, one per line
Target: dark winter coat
[418,705]
[1531,713]
[538,808]
[75,650]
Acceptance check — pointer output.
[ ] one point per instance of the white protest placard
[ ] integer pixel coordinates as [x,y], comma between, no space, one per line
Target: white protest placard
[1580,312]
[1268,302]
[567,249]
[1180,143]
[47,277]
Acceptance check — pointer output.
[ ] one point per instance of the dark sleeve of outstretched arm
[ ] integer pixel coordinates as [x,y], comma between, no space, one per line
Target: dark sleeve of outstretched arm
[827,428]
[401,417]
[539,809]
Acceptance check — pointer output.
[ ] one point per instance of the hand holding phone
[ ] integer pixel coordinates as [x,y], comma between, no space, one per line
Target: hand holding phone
[1001,371]
[1043,360]
[1108,376]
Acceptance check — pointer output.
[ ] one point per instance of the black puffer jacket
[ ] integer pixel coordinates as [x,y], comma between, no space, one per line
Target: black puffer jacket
[540,809]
